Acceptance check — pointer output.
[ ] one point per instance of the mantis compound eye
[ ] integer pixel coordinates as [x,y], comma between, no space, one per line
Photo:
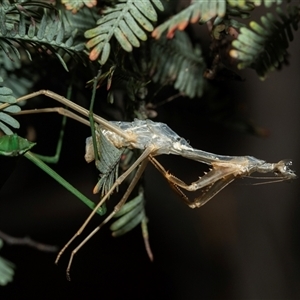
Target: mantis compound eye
[283,169]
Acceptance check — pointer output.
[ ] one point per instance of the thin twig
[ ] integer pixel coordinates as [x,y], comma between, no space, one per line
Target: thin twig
[27,241]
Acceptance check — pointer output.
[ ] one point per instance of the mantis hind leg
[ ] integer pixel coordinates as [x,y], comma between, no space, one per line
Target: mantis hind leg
[112,154]
[40,160]
[55,158]
[143,159]
[117,208]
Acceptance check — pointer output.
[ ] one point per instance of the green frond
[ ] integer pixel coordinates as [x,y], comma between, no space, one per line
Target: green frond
[176,62]
[29,28]
[6,96]
[76,5]
[6,269]
[127,21]
[83,20]
[16,76]
[246,4]
[267,3]
[239,3]
[263,47]
[19,85]
[239,9]
[131,214]
[198,11]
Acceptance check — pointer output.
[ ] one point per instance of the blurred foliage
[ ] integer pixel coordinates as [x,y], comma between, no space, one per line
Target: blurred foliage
[6,269]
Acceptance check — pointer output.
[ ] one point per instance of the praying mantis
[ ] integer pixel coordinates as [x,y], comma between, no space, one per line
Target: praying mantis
[153,139]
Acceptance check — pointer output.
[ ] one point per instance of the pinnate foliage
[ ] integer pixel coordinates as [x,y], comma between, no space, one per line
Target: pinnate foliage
[127,21]
[175,61]
[246,3]
[197,11]
[33,25]
[76,5]
[131,215]
[6,97]
[263,46]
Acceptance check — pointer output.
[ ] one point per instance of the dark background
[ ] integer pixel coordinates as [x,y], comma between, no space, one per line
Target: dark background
[244,244]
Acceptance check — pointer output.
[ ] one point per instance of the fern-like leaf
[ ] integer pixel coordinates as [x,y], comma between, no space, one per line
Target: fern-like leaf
[83,20]
[127,21]
[21,25]
[246,3]
[130,215]
[198,10]
[239,9]
[176,61]
[6,96]
[76,5]
[263,47]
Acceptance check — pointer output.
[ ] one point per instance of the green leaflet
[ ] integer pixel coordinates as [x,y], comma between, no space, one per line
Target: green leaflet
[267,3]
[246,4]
[44,32]
[6,269]
[203,11]
[76,5]
[177,62]
[6,96]
[198,11]
[263,46]
[127,21]
[130,215]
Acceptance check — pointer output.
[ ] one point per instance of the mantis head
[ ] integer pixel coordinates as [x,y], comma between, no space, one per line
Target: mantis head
[282,169]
